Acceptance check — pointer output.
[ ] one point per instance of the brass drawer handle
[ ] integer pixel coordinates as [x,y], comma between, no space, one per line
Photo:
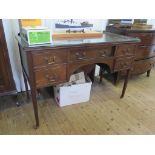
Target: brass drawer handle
[81,57]
[53,79]
[124,64]
[84,54]
[103,54]
[50,60]
[126,51]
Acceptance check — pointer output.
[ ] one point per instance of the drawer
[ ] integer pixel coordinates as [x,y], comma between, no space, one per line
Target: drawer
[143,66]
[144,52]
[50,75]
[87,53]
[125,50]
[80,54]
[123,63]
[146,38]
[49,57]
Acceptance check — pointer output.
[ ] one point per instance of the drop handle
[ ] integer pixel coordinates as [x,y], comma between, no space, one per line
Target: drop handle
[84,54]
[81,57]
[50,60]
[103,54]
[124,64]
[51,79]
[127,51]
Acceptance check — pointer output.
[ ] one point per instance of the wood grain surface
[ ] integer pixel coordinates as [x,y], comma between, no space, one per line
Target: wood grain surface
[104,114]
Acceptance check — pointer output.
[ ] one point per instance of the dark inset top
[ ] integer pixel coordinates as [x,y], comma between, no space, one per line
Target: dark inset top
[107,38]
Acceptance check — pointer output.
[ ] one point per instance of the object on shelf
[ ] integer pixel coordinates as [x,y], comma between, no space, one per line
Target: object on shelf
[141,26]
[36,35]
[63,24]
[75,31]
[30,22]
[77,35]
[140,21]
[122,22]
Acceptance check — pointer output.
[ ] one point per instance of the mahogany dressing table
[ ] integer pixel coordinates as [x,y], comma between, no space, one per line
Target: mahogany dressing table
[52,64]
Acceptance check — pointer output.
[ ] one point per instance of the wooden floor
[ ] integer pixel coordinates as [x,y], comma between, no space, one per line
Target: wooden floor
[106,113]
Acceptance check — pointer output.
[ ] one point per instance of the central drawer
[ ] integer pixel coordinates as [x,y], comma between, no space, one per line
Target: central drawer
[49,57]
[102,51]
[50,75]
[87,53]
[80,54]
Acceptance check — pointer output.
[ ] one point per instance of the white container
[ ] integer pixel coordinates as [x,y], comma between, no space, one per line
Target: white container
[68,95]
[37,35]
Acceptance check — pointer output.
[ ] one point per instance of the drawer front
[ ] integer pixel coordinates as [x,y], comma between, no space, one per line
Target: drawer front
[144,52]
[125,50]
[123,63]
[146,38]
[49,57]
[80,54]
[143,66]
[50,75]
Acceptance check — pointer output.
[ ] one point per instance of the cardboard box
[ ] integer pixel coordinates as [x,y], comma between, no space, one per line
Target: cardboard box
[78,78]
[36,35]
[73,94]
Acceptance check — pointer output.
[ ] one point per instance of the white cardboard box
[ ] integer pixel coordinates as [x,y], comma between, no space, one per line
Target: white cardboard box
[73,94]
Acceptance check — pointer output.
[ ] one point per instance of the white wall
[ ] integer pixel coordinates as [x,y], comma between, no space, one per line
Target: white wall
[98,24]
[152,22]
[11,29]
